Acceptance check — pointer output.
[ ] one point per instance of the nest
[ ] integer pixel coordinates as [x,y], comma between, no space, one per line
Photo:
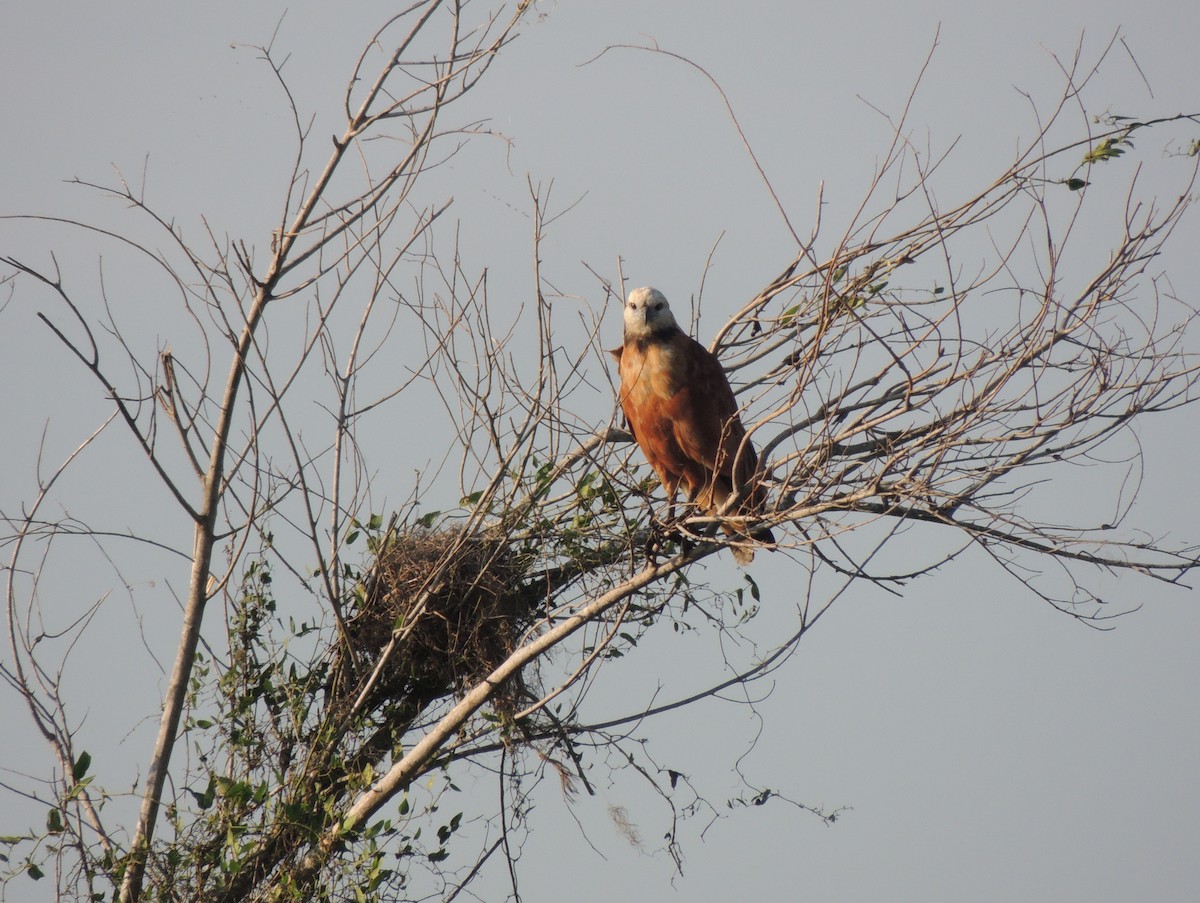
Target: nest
[456,603]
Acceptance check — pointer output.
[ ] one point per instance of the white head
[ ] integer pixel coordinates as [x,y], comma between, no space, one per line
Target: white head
[647,312]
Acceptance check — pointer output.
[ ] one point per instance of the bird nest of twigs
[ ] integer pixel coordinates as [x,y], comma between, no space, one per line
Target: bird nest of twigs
[455,604]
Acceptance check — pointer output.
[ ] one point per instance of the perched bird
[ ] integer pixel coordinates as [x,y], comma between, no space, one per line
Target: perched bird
[682,413]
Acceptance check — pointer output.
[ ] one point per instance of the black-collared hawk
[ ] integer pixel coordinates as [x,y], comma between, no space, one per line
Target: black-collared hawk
[683,415]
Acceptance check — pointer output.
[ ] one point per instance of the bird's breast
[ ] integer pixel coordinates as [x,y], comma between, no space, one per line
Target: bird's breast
[652,370]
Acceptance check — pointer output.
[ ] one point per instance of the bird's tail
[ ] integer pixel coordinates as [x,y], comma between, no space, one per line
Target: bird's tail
[753,503]
[742,553]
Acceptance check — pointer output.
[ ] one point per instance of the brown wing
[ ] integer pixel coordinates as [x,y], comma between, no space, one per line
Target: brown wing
[706,417]
[616,353]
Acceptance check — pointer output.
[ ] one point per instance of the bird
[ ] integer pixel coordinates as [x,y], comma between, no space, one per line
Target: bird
[682,413]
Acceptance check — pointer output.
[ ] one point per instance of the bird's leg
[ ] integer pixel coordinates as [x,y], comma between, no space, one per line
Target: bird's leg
[671,527]
[703,500]
[662,534]
[668,524]
[654,541]
[665,531]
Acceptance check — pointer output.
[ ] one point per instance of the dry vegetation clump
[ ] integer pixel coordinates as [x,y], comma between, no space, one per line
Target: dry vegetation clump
[455,602]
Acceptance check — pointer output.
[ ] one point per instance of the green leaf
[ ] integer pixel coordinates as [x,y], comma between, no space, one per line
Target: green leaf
[34,872]
[1108,149]
[1077,184]
[204,800]
[80,768]
[54,823]
[376,522]
[753,588]
[353,536]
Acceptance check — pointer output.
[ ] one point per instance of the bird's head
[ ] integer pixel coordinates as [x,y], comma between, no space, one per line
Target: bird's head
[646,313]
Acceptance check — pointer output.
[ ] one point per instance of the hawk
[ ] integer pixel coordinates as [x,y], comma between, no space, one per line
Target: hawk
[682,413]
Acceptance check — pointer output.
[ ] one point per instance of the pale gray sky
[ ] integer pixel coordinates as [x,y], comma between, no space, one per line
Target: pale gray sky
[989,747]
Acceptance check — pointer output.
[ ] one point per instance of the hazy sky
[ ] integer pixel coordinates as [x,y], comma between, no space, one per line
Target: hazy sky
[988,748]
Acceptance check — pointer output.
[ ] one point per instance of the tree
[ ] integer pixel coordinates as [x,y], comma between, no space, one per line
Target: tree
[901,380]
